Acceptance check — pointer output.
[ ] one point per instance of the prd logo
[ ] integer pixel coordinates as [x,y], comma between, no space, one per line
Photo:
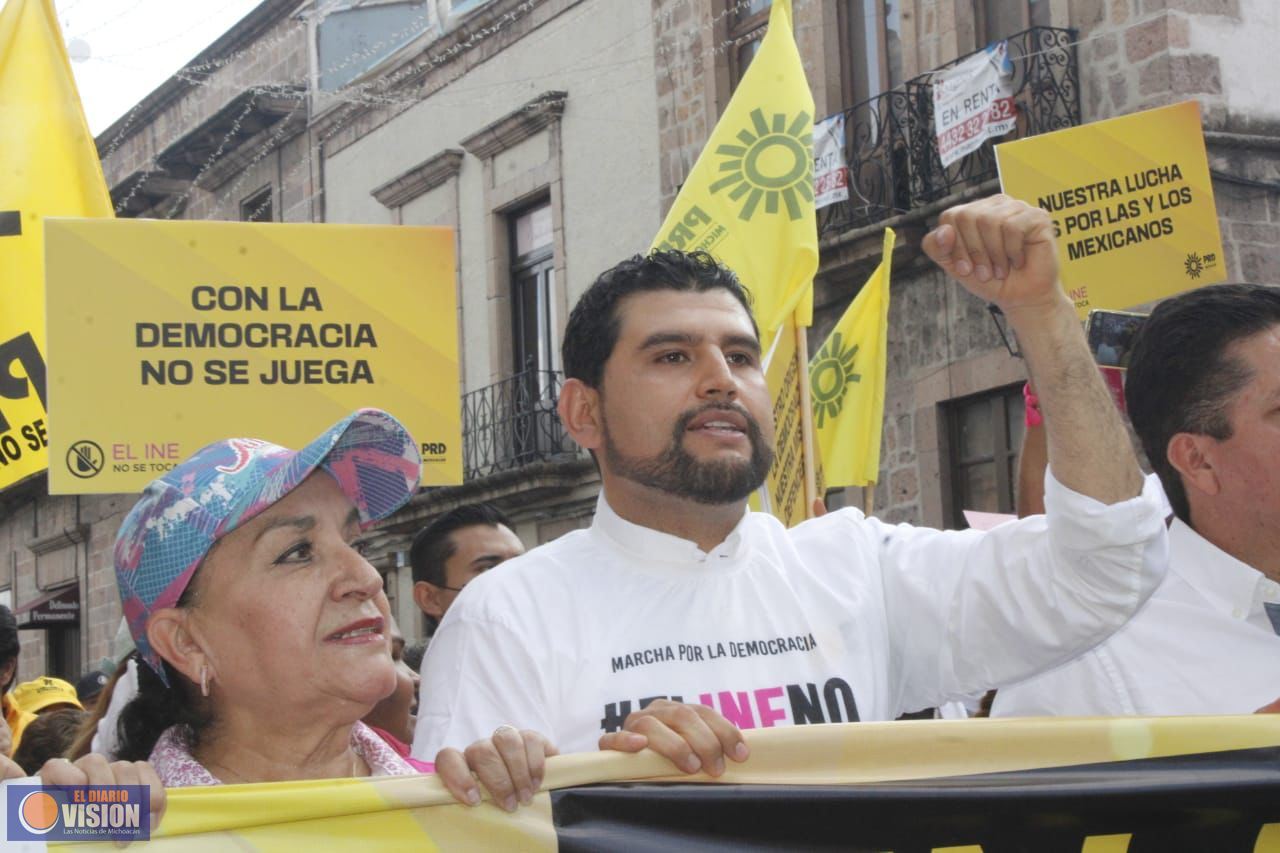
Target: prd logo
[829,377]
[1194,265]
[774,161]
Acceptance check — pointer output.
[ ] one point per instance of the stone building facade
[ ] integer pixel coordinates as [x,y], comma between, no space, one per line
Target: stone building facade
[953,410]
[554,134]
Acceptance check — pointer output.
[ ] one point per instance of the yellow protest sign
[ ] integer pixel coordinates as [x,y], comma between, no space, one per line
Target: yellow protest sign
[165,336]
[48,167]
[1132,203]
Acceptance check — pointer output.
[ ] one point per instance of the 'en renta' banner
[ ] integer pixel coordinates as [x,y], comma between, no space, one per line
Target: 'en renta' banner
[164,336]
[1131,201]
[1081,785]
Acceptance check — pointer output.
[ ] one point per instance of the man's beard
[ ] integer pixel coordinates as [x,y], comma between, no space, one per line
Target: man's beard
[676,472]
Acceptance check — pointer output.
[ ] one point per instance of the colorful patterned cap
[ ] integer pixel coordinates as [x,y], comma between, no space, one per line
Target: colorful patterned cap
[179,517]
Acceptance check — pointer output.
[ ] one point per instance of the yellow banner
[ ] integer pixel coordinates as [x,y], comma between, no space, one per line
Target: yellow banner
[165,336]
[847,381]
[749,198]
[785,484]
[48,167]
[414,812]
[1131,201]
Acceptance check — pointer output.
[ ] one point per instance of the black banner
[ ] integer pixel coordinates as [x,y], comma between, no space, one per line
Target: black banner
[1206,802]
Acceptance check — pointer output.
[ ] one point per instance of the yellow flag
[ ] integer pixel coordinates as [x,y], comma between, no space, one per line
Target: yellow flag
[846,382]
[749,198]
[48,167]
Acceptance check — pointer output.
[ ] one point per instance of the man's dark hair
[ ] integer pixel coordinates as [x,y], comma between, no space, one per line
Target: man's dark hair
[1182,375]
[434,543]
[413,654]
[592,331]
[49,735]
[9,645]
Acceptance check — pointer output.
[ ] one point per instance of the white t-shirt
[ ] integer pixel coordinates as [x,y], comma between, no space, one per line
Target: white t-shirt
[1203,644]
[841,618]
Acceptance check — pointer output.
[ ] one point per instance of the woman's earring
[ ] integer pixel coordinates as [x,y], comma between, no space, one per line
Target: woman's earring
[204,680]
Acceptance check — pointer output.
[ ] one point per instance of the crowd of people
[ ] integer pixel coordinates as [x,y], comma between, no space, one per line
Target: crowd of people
[264,649]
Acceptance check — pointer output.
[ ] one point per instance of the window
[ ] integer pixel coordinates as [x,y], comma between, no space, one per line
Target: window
[354,36]
[997,19]
[533,290]
[747,24]
[461,7]
[257,207]
[532,395]
[62,653]
[986,435]
[871,51]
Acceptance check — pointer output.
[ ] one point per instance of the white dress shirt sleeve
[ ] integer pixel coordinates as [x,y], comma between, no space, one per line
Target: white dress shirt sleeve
[1087,686]
[969,611]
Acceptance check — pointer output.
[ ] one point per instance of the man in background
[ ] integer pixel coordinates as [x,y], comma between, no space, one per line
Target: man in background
[1203,393]
[457,547]
[12,718]
[89,687]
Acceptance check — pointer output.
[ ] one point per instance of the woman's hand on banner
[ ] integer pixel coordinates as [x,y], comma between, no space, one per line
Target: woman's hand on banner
[9,769]
[510,765]
[94,769]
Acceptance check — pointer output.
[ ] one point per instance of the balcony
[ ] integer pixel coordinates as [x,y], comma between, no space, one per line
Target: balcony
[513,423]
[890,147]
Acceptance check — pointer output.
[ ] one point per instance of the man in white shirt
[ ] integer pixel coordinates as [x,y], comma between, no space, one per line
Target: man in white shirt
[1203,392]
[679,618]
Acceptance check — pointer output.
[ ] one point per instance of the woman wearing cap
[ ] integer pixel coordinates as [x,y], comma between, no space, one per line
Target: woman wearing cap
[262,631]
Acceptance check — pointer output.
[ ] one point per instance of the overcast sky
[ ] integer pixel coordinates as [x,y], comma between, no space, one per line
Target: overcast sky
[133,46]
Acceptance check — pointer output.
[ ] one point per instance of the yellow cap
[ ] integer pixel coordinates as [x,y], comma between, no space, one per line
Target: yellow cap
[32,696]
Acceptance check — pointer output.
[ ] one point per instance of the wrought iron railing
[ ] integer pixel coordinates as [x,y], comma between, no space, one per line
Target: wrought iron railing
[890,145]
[513,423]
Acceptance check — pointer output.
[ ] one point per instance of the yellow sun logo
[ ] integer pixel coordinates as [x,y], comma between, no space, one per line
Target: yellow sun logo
[774,162]
[829,378]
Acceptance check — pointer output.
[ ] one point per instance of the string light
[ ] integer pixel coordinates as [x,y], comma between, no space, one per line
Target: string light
[380,92]
[359,93]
